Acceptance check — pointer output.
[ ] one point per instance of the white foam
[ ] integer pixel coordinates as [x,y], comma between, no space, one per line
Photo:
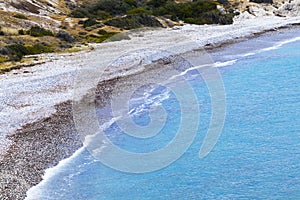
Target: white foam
[274,47]
[280,44]
[34,193]
[225,64]
[90,138]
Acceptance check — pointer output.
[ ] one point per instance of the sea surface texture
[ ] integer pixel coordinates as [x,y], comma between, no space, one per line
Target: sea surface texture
[256,157]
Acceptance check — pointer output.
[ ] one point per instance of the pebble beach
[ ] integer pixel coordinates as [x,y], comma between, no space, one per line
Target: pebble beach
[36,124]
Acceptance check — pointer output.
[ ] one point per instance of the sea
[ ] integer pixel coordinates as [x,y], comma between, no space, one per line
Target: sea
[255,155]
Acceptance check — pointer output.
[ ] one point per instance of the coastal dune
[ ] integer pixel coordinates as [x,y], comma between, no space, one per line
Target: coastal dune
[36,126]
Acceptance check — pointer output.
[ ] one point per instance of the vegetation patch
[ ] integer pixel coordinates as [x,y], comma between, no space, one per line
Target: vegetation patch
[39,48]
[89,22]
[1,32]
[37,31]
[107,7]
[3,59]
[15,52]
[134,21]
[195,12]
[138,11]
[65,36]
[98,39]
[20,16]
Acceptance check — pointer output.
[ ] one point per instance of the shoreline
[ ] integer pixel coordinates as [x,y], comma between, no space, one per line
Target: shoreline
[48,139]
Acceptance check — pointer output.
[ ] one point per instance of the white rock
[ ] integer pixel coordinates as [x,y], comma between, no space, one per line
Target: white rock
[221,9]
[257,11]
[243,16]
[291,9]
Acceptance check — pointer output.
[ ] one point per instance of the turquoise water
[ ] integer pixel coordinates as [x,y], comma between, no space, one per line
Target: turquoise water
[256,157]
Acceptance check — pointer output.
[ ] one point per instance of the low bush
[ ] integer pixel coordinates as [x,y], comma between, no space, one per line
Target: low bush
[99,39]
[37,31]
[196,11]
[1,32]
[81,22]
[39,48]
[20,16]
[3,59]
[102,32]
[22,32]
[104,9]
[16,51]
[138,11]
[100,15]
[134,21]
[89,22]
[65,36]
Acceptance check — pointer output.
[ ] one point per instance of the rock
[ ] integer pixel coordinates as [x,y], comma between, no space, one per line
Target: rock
[257,11]
[269,10]
[243,16]
[221,9]
[291,9]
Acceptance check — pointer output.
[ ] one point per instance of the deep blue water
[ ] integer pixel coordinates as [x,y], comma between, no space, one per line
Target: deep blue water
[256,157]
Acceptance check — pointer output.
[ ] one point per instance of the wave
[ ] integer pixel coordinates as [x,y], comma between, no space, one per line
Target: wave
[34,192]
[274,47]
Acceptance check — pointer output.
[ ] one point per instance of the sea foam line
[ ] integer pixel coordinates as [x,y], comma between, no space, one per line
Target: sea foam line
[34,192]
[274,47]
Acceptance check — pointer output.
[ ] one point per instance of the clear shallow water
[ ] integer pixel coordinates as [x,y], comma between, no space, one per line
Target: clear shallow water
[256,157]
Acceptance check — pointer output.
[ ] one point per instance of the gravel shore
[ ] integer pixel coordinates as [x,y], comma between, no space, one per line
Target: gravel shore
[35,148]
[36,108]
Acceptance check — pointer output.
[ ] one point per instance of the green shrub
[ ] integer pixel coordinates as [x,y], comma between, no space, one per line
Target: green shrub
[102,32]
[65,36]
[196,12]
[99,39]
[89,22]
[157,3]
[37,31]
[104,9]
[134,21]
[22,32]
[131,3]
[3,59]
[20,16]
[39,48]
[1,32]
[138,11]
[102,15]
[16,51]
[80,13]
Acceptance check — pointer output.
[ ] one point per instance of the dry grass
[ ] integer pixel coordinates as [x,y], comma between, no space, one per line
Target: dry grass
[26,62]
